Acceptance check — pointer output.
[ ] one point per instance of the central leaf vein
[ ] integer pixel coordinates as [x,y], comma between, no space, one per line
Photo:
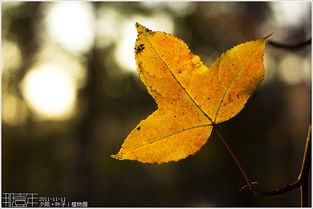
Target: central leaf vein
[175,78]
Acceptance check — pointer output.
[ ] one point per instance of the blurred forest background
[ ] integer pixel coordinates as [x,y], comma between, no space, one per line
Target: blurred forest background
[71,94]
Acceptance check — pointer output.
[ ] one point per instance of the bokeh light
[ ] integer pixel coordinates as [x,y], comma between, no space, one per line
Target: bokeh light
[14,110]
[107,30]
[50,92]
[293,69]
[181,8]
[12,4]
[12,57]
[289,13]
[74,66]
[71,24]
[178,8]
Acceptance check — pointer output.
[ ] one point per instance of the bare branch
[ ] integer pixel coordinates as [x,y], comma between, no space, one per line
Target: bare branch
[289,47]
[302,180]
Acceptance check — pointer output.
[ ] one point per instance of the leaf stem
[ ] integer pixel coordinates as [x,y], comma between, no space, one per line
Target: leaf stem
[242,170]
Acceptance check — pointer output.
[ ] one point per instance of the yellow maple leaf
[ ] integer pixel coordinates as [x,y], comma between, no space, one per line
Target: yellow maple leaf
[191,97]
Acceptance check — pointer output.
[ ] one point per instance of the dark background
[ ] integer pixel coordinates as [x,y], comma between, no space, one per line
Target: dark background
[69,156]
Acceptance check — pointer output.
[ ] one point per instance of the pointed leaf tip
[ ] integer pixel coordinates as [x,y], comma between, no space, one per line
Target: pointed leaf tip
[266,37]
[140,28]
[116,156]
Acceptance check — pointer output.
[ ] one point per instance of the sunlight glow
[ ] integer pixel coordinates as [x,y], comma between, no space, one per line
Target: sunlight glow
[12,57]
[178,8]
[11,4]
[14,111]
[107,30]
[74,66]
[292,69]
[289,13]
[307,73]
[181,8]
[71,24]
[50,92]
[124,51]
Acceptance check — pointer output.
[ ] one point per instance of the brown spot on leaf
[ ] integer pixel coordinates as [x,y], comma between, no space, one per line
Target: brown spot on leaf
[229,98]
[139,48]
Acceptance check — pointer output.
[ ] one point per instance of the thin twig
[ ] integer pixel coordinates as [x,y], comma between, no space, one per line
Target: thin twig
[289,47]
[303,177]
[279,191]
[305,172]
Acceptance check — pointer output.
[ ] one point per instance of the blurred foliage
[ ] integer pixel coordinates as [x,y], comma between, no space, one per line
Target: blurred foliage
[71,157]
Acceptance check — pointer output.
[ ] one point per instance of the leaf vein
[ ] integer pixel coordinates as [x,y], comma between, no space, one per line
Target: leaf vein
[172,74]
[233,81]
[172,134]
